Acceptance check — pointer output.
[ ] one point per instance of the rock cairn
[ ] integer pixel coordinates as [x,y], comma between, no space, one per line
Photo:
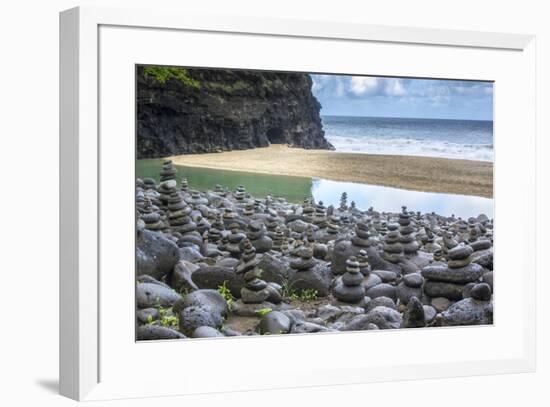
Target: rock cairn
[348,288]
[168,172]
[407,238]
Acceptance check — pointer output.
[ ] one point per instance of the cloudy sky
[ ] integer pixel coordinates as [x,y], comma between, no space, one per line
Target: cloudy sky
[399,97]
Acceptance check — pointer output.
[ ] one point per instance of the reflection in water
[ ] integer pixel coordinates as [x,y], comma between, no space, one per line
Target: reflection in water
[295,189]
[391,199]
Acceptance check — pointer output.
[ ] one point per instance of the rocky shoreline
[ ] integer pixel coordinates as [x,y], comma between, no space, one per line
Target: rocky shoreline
[224,263]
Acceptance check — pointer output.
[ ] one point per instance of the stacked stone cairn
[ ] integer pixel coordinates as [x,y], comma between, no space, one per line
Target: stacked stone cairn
[150,217]
[407,238]
[210,243]
[348,288]
[449,280]
[393,249]
[168,172]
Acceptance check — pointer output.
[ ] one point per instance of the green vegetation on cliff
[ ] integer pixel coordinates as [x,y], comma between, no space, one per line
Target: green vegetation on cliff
[162,74]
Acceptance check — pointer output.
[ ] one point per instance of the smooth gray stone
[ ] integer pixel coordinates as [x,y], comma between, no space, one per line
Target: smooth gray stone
[382,317]
[304,327]
[429,313]
[441,303]
[155,254]
[204,298]
[212,277]
[274,323]
[460,252]
[273,269]
[190,254]
[380,302]
[471,272]
[157,332]
[206,332]
[382,290]
[386,276]
[371,281]
[191,318]
[481,244]
[413,280]
[318,278]
[150,295]
[481,292]
[147,314]
[468,312]
[440,289]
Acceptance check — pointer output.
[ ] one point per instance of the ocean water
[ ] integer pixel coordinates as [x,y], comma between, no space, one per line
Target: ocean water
[462,139]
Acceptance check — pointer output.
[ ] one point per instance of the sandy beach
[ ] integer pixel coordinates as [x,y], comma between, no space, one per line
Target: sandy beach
[414,173]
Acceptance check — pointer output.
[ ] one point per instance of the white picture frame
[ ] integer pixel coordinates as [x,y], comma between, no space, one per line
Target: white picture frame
[91,40]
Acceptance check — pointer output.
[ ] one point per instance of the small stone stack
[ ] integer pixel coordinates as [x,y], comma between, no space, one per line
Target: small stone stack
[248,259]
[344,201]
[348,288]
[278,239]
[184,185]
[407,238]
[410,286]
[149,184]
[178,213]
[234,240]
[196,199]
[333,225]
[240,193]
[308,210]
[249,209]
[393,250]
[449,280]
[319,217]
[271,223]
[256,234]
[255,290]
[168,172]
[361,238]
[215,232]
[166,188]
[363,260]
[150,217]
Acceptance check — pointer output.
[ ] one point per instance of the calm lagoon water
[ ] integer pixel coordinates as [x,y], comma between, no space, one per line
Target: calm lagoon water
[295,189]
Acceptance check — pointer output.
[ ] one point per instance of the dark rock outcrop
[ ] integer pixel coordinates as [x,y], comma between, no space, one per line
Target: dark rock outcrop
[211,110]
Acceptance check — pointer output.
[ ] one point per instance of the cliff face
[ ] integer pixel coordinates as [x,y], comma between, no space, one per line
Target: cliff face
[206,110]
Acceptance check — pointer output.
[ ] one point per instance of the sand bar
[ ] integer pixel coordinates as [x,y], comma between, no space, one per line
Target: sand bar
[414,173]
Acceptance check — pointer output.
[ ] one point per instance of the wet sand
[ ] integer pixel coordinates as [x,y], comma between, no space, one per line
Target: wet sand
[427,174]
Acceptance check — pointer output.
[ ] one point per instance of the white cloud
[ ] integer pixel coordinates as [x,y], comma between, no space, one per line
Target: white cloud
[394,87]
[362,85]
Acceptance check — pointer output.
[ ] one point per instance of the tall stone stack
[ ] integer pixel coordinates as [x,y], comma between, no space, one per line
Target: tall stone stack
[393,249]
[319,216]
[184,185]
[166,188]
[248,260]
[215,232]
[344,201]
[406,230]
[168,172]
[178,214]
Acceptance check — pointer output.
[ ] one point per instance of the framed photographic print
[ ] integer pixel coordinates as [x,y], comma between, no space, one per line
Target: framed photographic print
[348,203]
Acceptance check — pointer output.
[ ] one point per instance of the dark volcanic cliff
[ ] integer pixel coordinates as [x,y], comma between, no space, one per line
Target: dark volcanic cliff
[187,111]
